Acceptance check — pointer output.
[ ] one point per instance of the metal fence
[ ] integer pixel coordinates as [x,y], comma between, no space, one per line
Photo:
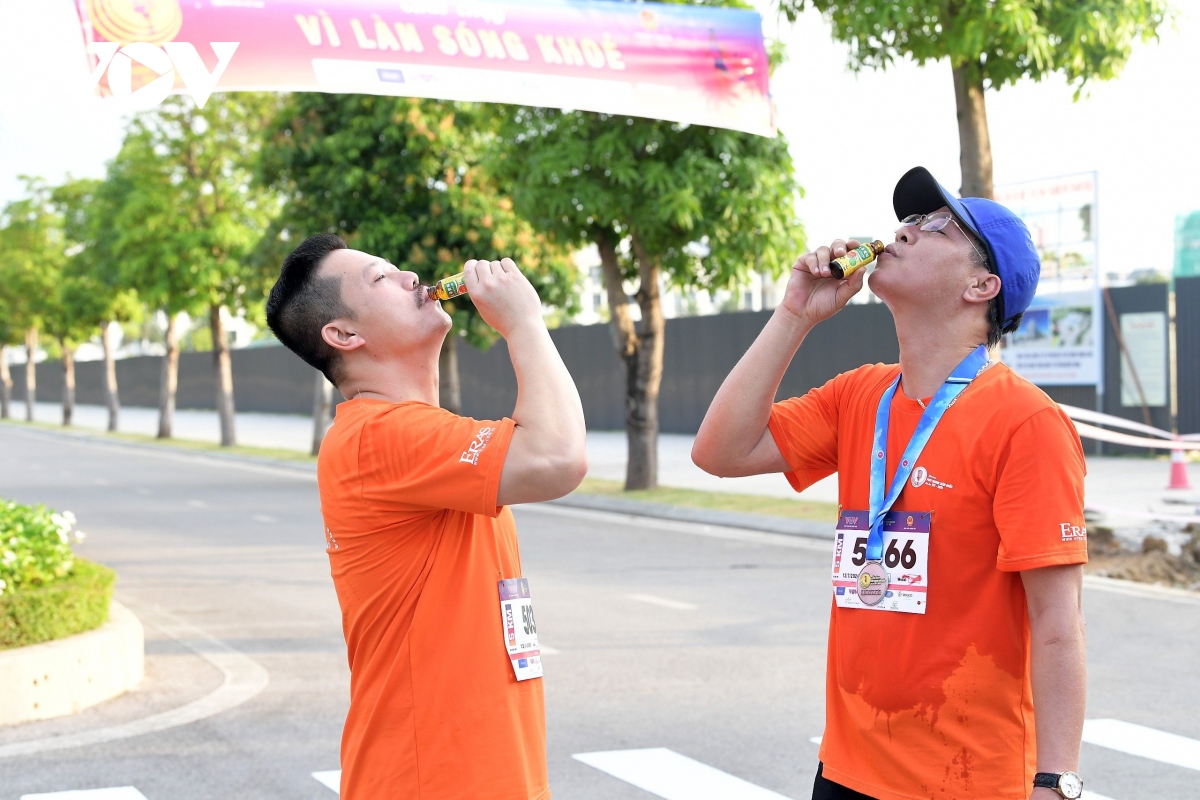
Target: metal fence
[699,353]
[267,379]
[1187,352]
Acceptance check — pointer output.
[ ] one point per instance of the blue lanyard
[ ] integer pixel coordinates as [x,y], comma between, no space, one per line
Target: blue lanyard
[958,381]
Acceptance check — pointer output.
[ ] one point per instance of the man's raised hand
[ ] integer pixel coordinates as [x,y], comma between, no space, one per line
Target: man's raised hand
[504,296]
[812,293]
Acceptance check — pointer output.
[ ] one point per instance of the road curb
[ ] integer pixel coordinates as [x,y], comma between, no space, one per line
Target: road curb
[705,516]
[65,676]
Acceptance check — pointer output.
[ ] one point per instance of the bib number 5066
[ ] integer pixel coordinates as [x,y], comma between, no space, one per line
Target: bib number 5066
[893,557]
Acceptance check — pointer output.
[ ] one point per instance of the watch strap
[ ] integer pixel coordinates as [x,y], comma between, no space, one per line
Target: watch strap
[1046,780]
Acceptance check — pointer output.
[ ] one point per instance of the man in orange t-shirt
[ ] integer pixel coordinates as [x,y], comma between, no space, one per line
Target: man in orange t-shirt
[957,564]
[445,687]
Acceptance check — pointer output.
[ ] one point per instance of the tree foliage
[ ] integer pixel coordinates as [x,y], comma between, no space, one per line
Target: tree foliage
[89,294]
[711,205]
[32,258]
[404,178]
[701,207]
[989,45]
[1085,40]
[187,212]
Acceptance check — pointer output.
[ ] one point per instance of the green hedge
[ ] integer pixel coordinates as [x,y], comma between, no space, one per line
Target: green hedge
[75,603]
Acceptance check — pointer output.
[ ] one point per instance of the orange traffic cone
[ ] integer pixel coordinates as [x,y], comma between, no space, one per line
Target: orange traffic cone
[1179,476]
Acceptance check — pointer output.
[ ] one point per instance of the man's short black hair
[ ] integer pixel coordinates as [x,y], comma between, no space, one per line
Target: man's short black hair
[301,304]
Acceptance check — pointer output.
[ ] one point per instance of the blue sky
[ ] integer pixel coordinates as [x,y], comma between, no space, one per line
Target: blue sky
[1139,131]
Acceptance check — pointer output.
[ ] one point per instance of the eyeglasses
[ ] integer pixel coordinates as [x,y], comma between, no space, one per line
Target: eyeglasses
[936,222]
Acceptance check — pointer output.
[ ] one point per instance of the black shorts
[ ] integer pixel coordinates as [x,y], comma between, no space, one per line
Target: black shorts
[825,789]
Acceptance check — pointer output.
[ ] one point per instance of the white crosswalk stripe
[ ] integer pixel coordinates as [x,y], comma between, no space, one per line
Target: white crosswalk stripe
[114,793]
[1138,740]
[672,776]
[331,778]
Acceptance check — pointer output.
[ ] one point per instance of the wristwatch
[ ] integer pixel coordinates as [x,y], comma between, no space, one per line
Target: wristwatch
[1067,784]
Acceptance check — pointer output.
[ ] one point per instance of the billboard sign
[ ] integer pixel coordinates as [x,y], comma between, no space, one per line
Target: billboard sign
[1059,342]
[700,65]
[1056,343]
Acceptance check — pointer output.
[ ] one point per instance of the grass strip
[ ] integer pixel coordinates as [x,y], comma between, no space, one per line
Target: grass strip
[183,444]
[73,604]
[719,501]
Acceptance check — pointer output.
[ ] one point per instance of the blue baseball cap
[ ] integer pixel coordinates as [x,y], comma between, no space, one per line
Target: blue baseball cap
[1011,253]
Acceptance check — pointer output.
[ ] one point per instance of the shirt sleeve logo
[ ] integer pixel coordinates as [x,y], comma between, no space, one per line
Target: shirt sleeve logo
[471,454]
[1072,533]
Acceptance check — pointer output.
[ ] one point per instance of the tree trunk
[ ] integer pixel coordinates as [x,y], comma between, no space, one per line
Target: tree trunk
[322,404]
[449,387]
[641,349]
[68,408]
[975,145]
[641,402]
[5,384]
[111,397]
[31,346]
[170,380]
[223,365]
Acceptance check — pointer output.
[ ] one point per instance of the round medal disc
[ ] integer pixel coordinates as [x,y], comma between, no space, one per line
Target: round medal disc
[872,583]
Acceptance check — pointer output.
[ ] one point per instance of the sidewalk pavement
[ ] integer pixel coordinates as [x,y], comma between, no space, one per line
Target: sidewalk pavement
[1126,489]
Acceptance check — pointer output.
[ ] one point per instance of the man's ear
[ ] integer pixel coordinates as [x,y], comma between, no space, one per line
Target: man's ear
[982,288]
[341,335]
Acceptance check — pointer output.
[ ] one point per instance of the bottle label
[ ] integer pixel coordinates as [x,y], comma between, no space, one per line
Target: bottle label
[453,287]
[858,256]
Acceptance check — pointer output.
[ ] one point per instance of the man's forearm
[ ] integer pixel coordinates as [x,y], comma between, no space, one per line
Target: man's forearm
[741,409]
[547,456]
[1058,665]
[547,399]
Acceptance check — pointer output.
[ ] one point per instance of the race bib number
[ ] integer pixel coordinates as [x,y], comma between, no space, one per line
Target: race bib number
[905,560]
[520,629]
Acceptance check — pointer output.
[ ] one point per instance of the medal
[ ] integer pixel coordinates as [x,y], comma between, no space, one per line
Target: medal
[872,583]
[873,580]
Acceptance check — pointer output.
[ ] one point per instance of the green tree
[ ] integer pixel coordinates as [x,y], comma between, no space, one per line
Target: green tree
[991,45]
[148,242]
[404,178]
[32,258]
[9,335]
[90,299]
[663,202]
[73,318]
[189,218]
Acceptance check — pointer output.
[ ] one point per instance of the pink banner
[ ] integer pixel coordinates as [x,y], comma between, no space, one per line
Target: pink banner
[693,64]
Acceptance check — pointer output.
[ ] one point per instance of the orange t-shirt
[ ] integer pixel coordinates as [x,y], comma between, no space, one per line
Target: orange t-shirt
[940,705]
[417,546]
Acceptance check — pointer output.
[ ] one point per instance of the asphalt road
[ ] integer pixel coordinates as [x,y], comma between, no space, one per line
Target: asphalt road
[708,642]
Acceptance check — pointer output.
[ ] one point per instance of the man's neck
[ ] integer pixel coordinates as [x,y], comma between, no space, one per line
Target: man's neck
[930,352]
[394,382]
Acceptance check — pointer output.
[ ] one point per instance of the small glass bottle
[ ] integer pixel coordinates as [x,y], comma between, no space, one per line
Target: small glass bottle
[858,257]
[447,288]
